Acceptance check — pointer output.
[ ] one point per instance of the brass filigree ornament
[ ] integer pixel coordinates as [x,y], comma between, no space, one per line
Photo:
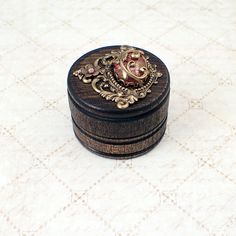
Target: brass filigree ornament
[122,76]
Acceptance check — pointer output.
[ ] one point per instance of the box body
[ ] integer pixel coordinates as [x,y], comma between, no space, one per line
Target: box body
[102,127]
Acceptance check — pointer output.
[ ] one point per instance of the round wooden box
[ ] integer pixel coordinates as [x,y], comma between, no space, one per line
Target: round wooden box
[118,97]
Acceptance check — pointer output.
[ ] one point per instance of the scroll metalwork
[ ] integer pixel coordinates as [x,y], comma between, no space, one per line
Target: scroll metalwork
[123,76]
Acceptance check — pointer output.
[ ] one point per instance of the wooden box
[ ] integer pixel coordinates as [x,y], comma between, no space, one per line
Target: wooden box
[118,96]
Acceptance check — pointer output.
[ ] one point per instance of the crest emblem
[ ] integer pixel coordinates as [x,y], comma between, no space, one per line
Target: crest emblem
[123,76]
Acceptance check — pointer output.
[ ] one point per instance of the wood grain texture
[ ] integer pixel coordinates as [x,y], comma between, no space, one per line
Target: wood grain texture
[112,132]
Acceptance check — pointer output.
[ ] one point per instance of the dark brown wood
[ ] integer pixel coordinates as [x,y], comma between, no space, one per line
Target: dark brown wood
[112,132]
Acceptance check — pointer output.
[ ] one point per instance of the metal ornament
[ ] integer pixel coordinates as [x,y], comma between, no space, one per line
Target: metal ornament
[123,76]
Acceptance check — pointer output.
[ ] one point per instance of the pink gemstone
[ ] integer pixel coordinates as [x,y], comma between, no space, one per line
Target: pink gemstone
[137,71]
[90,70]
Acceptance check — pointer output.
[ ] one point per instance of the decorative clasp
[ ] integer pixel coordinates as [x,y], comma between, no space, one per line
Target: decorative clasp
[123,76]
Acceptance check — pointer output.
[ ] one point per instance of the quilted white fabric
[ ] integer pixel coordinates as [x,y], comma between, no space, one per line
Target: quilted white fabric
[51,185]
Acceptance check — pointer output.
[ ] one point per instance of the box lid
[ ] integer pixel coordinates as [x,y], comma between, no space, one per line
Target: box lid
[118,82]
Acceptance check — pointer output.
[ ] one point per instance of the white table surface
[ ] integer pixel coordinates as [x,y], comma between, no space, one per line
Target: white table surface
[51,185]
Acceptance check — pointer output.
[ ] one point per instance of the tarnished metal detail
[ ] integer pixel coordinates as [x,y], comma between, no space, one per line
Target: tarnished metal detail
[123,76]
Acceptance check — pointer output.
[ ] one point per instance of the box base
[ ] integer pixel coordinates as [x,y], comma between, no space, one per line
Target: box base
[122,149]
